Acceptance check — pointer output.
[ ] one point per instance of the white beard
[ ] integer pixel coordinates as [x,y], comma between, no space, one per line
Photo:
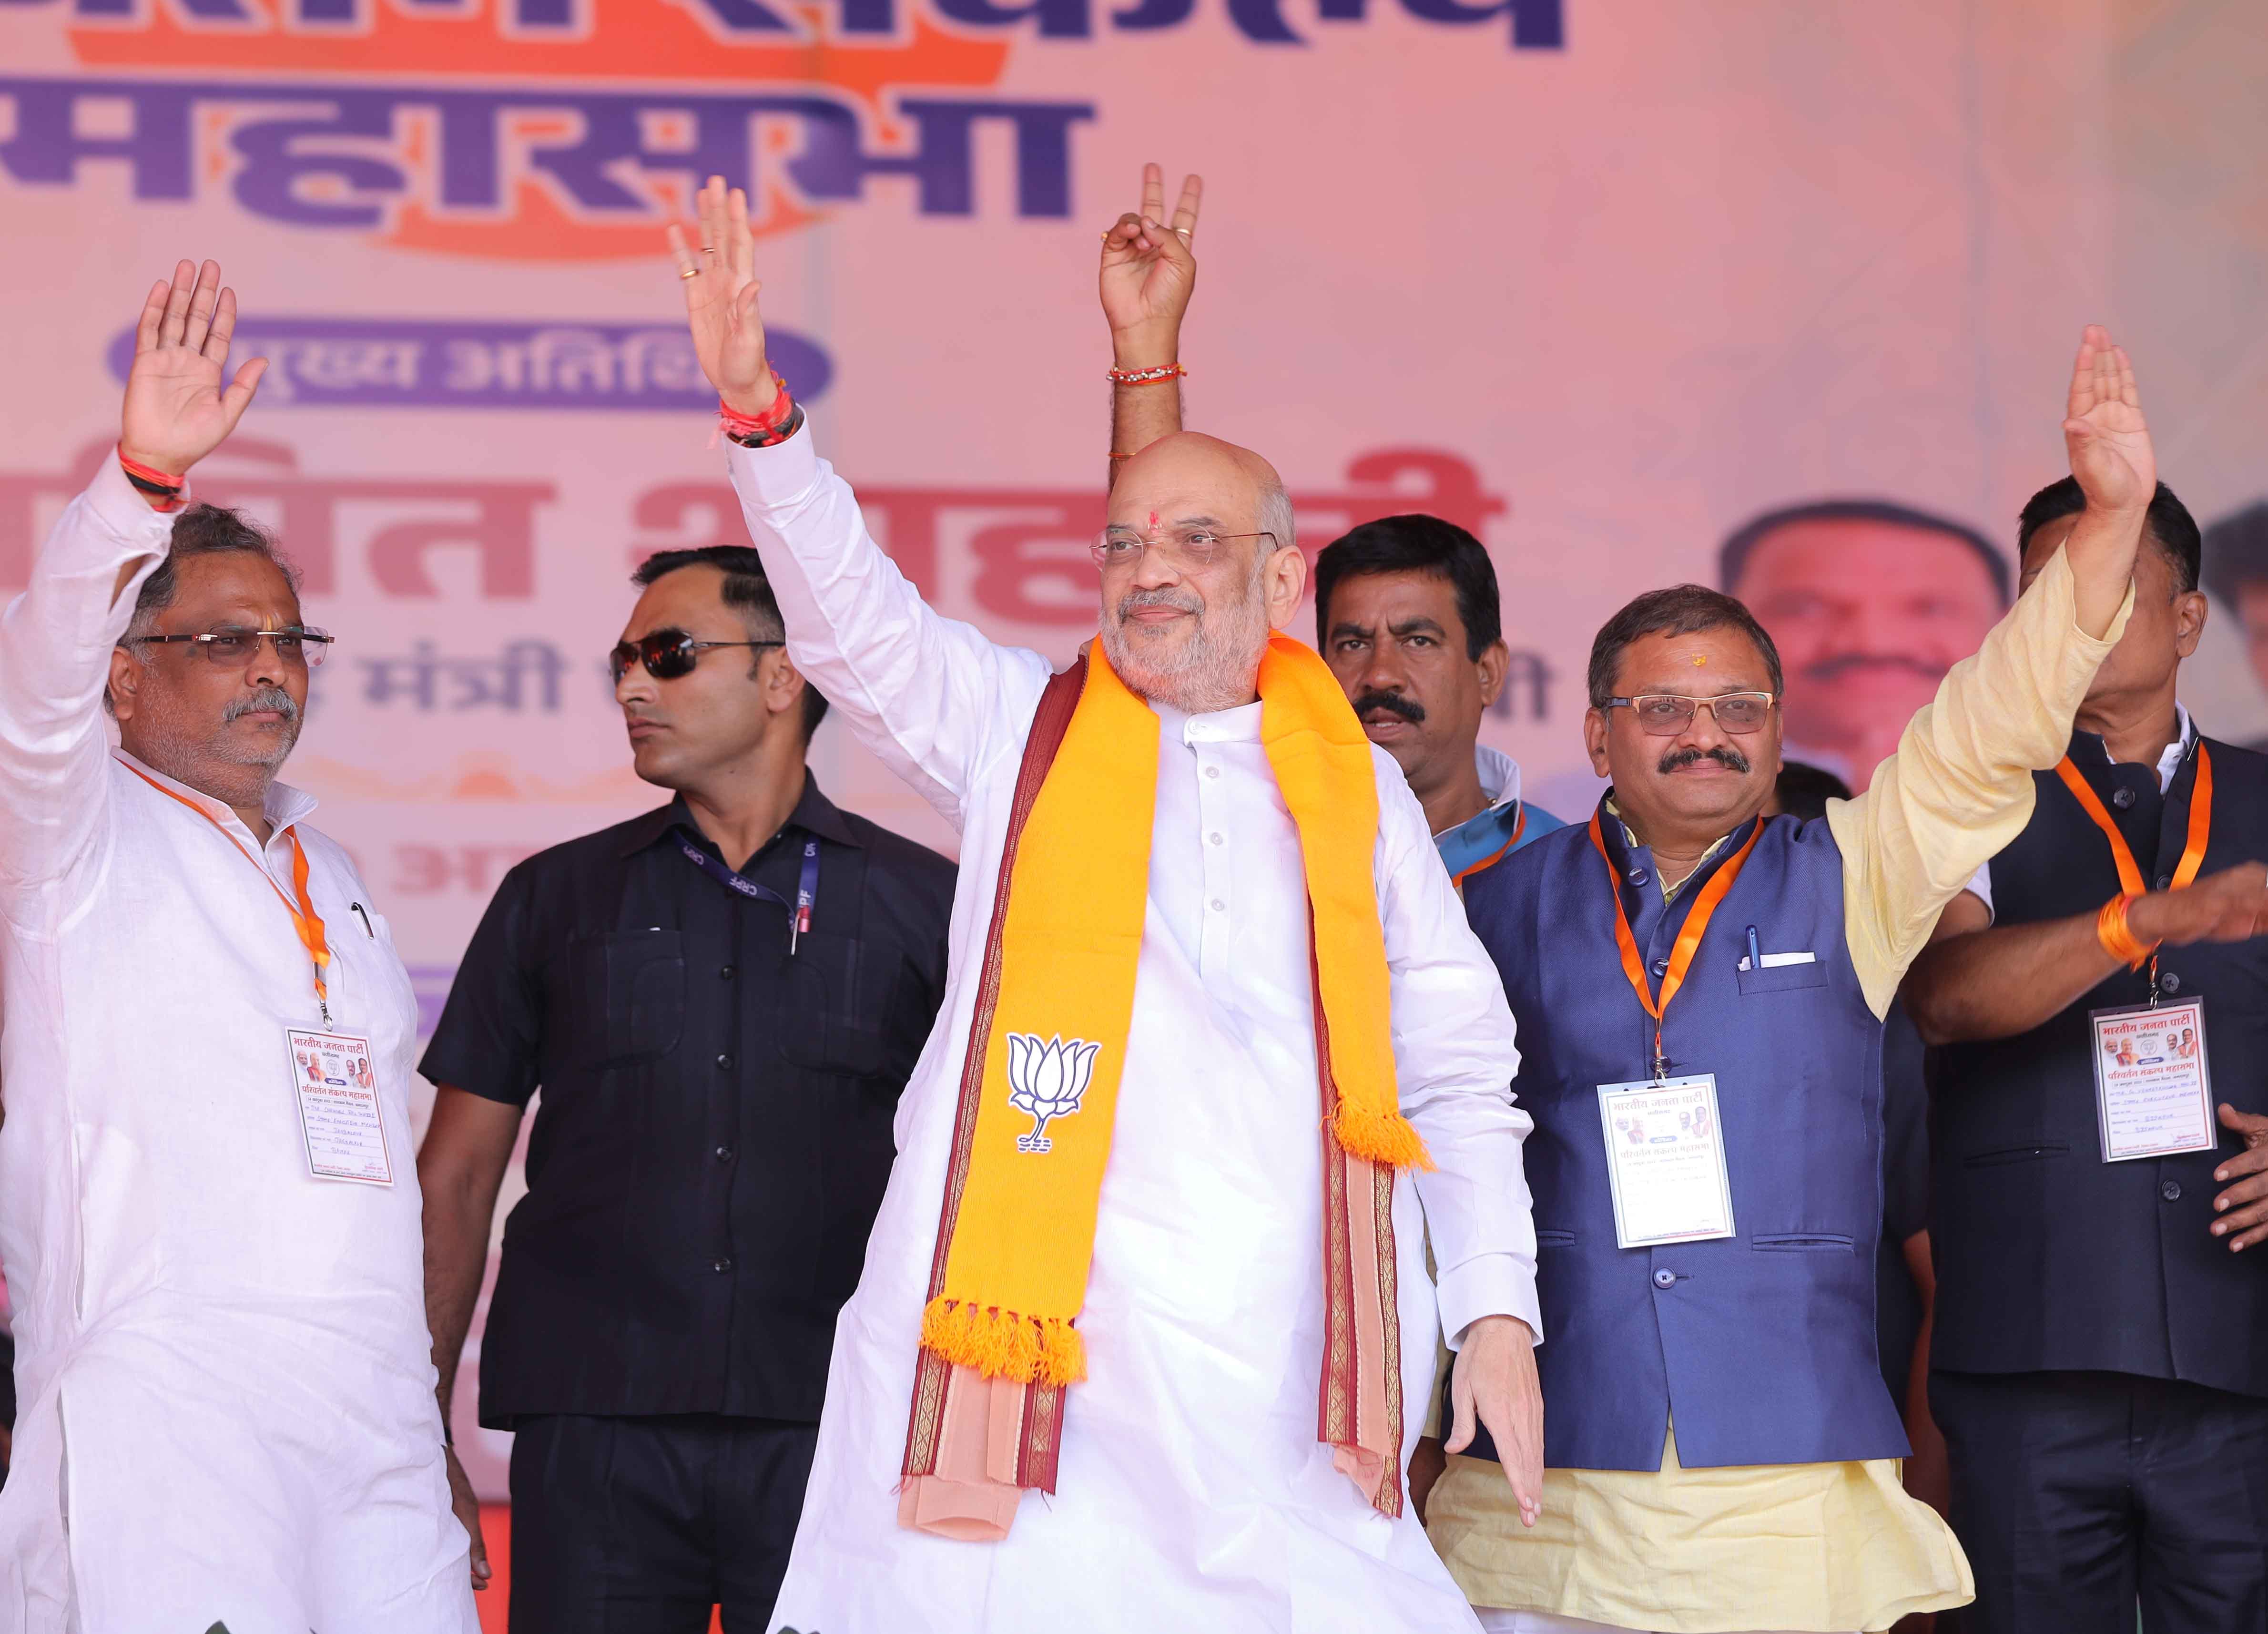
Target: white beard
[1214,667]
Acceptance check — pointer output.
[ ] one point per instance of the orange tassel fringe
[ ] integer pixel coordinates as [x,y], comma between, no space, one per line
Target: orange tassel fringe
[1000,1344]
[1385,1138]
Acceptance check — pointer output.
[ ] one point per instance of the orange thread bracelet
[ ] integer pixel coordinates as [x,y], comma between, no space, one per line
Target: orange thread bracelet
[2118,937]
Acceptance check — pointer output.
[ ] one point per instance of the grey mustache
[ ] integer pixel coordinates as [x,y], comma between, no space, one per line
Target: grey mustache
[261,699]
[1132,600]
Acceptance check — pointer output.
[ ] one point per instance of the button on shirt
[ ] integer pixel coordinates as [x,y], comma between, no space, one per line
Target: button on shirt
[715,1128]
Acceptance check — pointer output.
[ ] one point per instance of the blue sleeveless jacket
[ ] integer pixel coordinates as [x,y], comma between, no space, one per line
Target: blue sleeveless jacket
[1762,1345]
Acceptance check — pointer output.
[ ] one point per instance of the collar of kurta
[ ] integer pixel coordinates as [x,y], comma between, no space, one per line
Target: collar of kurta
[2087,749]
[282,806]
[1631,842]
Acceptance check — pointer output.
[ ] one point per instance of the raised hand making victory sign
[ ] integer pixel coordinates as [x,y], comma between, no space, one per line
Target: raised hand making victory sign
[1149,272]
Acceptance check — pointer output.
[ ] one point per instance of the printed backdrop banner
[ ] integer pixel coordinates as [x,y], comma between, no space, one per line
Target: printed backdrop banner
[1600,279]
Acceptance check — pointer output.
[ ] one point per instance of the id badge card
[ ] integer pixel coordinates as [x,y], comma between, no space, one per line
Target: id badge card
[2153,1089]
[340,1119]
[1666,1160]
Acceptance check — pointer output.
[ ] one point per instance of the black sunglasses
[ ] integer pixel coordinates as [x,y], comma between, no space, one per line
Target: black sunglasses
[668,654]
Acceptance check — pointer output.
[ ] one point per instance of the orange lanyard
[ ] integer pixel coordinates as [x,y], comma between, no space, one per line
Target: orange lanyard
[1689,937]
[305,919]
[2130,873]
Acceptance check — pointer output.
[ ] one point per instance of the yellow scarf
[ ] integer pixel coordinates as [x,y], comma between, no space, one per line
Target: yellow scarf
[1018,1234]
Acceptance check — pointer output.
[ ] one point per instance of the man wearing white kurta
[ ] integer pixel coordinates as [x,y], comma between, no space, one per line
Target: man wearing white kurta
[227,1417]
[1192,1490]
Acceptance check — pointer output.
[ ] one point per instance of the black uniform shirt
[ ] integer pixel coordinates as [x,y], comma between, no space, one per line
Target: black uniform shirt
[715,1130]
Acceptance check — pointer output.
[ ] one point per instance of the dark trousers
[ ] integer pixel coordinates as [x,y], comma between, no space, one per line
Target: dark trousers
[639,1526]
[2077,1495]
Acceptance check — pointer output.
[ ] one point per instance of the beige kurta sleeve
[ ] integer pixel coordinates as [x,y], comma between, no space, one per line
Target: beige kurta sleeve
[1959,789]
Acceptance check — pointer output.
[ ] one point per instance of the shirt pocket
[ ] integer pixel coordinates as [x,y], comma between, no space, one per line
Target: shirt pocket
[836,999]
[1782,978]
[2037,1151]
[635,984]
[1802,1242]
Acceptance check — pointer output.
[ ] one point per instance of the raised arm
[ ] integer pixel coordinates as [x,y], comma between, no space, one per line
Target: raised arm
[1148,276]
[930,696]
[2108,445]
[1959,789]
[58,638]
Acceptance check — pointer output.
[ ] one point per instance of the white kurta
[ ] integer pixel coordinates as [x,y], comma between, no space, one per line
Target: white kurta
[1192,1493]
[226,1389]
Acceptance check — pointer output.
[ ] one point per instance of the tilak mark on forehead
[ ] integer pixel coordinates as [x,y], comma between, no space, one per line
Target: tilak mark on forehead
[1153,518]
[1699,659]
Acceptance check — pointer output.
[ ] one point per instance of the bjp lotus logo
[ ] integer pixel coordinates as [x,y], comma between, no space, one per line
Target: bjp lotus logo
[1046,1080]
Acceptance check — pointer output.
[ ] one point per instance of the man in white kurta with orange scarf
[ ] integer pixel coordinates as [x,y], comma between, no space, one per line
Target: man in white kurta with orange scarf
[1153,1244]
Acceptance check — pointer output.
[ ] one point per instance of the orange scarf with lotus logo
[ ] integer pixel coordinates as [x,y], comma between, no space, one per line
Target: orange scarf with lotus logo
[1040,1087]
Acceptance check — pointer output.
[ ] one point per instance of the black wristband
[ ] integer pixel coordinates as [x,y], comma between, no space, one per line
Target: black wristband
[155,490]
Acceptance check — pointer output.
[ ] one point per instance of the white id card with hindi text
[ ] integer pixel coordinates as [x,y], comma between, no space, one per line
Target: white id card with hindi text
[1666,1160]
[340,1119]
[2152,1090]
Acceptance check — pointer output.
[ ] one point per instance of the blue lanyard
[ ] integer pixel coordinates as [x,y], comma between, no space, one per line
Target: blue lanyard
[807,888]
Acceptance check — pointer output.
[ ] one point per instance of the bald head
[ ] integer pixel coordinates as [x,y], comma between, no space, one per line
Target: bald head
[1193,475]
[1185,622]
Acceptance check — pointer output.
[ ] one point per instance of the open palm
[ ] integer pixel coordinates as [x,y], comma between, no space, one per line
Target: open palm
[720,300]
[179,403]
[1148,271]
[2104,430]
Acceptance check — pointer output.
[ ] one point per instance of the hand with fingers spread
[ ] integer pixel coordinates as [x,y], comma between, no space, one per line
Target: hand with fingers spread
[179,403]
[719,278]
[2103,429]
[2241,1211]
[1494,1383]
[1149,272]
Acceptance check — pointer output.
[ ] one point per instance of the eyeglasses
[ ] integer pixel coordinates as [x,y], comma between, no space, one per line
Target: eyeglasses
[1189,549]
[1665,714]
[235,646]
[668,654]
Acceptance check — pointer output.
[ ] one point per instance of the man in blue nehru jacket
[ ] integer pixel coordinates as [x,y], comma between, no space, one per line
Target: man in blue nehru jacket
[1699,993]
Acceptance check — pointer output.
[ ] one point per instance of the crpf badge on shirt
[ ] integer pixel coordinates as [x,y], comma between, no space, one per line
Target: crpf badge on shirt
[2152,1090]
[1666,1160]
[340,1117]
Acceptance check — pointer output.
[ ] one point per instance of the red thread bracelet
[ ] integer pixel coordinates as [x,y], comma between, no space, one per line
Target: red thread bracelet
[1147,376]
[781,409]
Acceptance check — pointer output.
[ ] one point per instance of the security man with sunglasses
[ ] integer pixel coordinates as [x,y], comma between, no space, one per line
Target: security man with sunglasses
[720,1001]
[1699,990]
